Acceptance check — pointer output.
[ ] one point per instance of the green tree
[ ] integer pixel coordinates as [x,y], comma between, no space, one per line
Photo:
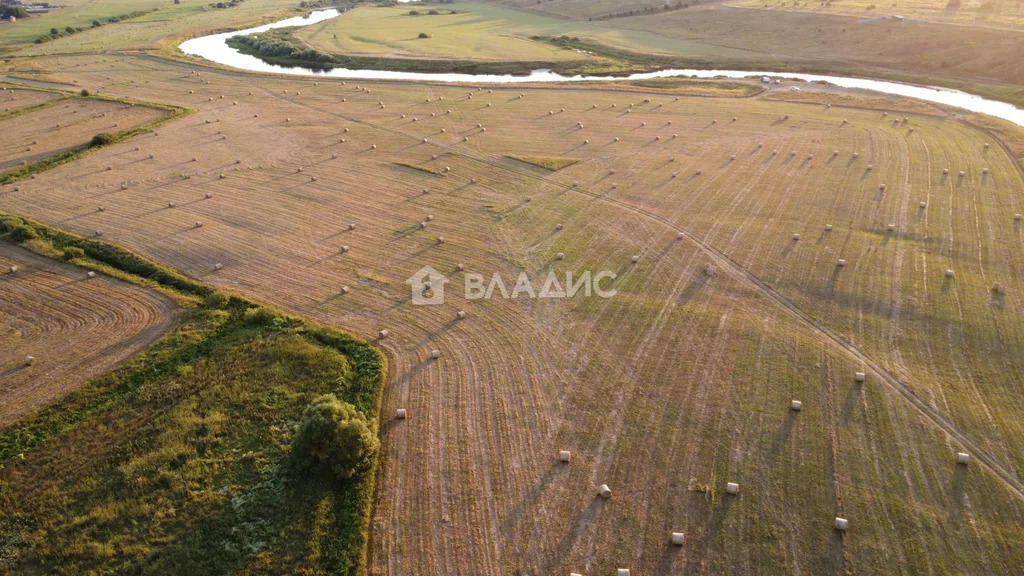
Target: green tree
[335,437]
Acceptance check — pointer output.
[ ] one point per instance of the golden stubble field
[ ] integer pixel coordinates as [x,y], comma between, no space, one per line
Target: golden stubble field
[75,328]
[38,134]
[678,384]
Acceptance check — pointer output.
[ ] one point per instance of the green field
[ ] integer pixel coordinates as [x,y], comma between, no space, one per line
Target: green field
[178,461]
[477,31]
[970,12]
[162,26]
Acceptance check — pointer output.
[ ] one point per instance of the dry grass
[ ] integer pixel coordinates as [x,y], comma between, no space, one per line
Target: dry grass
[76,329]
[682,379]
[39,134]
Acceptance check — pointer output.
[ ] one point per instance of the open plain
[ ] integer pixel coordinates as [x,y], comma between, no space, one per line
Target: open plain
[678,384]
[818,303]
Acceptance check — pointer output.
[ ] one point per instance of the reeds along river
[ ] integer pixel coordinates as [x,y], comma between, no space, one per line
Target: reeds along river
[215,49]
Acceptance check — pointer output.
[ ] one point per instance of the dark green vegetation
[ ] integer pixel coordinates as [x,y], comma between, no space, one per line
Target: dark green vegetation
[69,30]
[97,141]
[553,163]
[178,461]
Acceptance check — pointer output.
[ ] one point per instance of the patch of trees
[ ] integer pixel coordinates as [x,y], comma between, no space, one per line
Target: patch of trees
[334,438]
[222,5]
[275,48]
[667,7]
[13,12]
[68,30]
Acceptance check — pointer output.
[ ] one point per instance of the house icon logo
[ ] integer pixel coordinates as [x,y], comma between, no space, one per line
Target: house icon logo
[427,287]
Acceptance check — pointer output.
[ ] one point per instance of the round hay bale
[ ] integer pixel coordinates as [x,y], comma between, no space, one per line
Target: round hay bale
[796,237]
[382,334]
[841,524]
[430,217]
[560,256]
[461,314]
[828,227]
[400,414]
[558,226]
[732,488]
[678,538]
[605,492]
[963,458]
[945,171]
[460,267]
[858,377]
[635,259]
[435,354]
[344,248]
[923,204]
[170,204]
[90,274]
[29,360]
[199,224]
[344,289]
[564,456]
[209,195]
[796,405]
[949,273]
[423,225]
[440,239]
[841,263]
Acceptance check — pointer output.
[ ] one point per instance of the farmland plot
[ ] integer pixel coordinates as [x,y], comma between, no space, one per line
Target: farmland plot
[680,382]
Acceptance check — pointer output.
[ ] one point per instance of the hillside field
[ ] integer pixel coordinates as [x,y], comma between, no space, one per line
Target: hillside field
[323,196]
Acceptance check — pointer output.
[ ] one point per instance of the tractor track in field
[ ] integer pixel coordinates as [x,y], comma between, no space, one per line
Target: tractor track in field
[934,415]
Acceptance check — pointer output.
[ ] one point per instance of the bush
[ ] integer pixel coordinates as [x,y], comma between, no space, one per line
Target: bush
[8,223]
[217,299]
[334,437]
[23,233]
[72,252]
[84,92]
[424,35]
[102,139]
[263,316]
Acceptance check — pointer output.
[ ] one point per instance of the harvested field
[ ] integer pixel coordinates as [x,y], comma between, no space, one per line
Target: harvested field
[76,329]
[681,382]
[13,99]
[39,134]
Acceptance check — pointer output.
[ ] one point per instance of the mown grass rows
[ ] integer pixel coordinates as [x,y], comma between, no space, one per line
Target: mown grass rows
[681,377]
